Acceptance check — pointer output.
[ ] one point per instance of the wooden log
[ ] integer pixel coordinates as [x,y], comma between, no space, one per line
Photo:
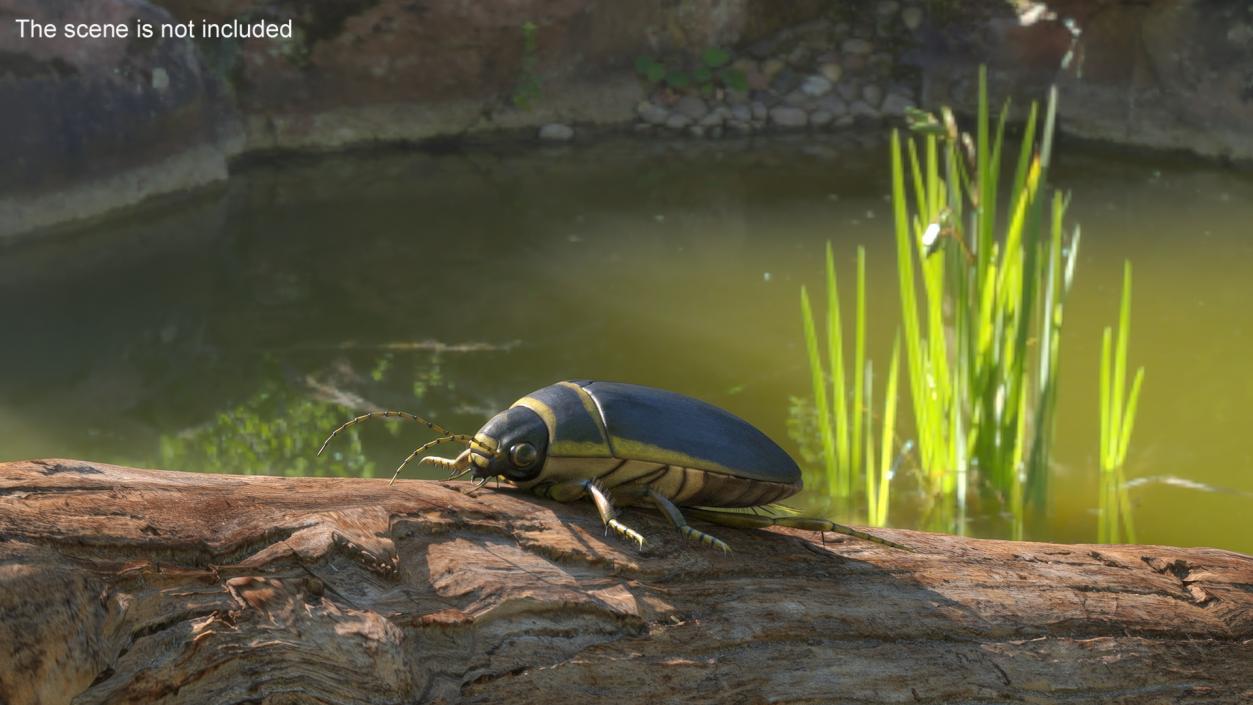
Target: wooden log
[120,585]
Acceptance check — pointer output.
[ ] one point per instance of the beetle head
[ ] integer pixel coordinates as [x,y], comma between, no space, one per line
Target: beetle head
[514,445]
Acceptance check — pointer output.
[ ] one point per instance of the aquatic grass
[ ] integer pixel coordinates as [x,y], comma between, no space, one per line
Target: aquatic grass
[1114,521]
[983,339]
[843,421]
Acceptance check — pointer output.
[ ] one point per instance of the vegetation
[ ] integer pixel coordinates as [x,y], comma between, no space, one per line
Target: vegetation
[982,333]
[846,433]
[527,90]
[711,71]
[1114,522]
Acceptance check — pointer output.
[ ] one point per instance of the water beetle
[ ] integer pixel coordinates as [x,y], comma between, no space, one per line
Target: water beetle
[626,444]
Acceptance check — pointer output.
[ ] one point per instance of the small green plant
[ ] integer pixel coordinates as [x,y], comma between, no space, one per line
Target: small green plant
[710,72]
[527,90]
[1114,523]
[983,348]
[840,419]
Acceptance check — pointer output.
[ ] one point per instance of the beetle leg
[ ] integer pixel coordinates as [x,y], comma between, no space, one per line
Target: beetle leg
[571,490]
[676,517]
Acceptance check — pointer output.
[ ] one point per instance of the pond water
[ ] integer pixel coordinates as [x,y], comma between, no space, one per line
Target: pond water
[232,330]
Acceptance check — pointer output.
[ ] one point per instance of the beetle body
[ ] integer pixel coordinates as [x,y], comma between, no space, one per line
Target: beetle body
[629,437]
[625,444]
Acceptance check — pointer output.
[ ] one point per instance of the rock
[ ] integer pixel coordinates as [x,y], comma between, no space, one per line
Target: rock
[692,107]
[715,117]
[820,118]
[696,131]
[787,80]
[87,126]
[832,103]
[759,109]
[756,81]
[862,109]
[831,71]
[678,122]
[887,7]
[715,132]
[872,94]
[771,68]
[880,62]
[789,117]
[857,46]
[652,113]
[743,113]
[798,99]
[740,127]
[556,132]
[799,57]
[845,121]
[815,86]
[160,79]
[848,90]
[912,17]
[895,103]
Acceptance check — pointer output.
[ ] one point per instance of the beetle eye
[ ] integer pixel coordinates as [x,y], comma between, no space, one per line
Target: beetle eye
[523,455]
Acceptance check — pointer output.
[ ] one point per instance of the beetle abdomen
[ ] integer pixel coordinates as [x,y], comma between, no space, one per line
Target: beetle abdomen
[630,479]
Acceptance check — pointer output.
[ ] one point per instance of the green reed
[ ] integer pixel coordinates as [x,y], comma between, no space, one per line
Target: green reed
[1117,421]
[983,340]
[842,407]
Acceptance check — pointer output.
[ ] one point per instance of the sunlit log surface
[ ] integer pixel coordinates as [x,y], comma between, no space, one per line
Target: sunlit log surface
[120,585]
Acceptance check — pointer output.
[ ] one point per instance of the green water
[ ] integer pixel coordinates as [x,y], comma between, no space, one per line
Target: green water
[220,332]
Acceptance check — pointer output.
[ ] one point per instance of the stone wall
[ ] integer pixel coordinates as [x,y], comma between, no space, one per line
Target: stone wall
[87,127]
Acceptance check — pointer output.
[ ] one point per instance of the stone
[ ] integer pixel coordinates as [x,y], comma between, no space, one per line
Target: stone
[831,71]
[872,94]
[848,90]
[556,132]
[820,118]
[833,104]
[880,62]
[912,17]
[862,109]
[857,46]
[815,86]
[771,68]
[715,117]
[696,131]
[160,79]
[887,7]
[799,57]
[895,103]
[740,127]
[798,98]
[678,122]
[845,121]
[785,81]
[652,113]
[759,109]
[692,107]
[789,117]
[742,113]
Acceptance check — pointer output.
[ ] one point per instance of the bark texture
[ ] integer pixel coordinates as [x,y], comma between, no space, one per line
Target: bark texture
[120,585]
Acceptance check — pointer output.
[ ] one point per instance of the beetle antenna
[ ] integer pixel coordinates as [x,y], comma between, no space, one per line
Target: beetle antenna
[459,437]
[418,451]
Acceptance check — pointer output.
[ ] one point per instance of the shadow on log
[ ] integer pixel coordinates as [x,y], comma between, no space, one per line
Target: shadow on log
[120,585]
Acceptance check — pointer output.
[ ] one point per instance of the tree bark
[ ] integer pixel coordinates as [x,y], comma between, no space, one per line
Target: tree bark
[120,585]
